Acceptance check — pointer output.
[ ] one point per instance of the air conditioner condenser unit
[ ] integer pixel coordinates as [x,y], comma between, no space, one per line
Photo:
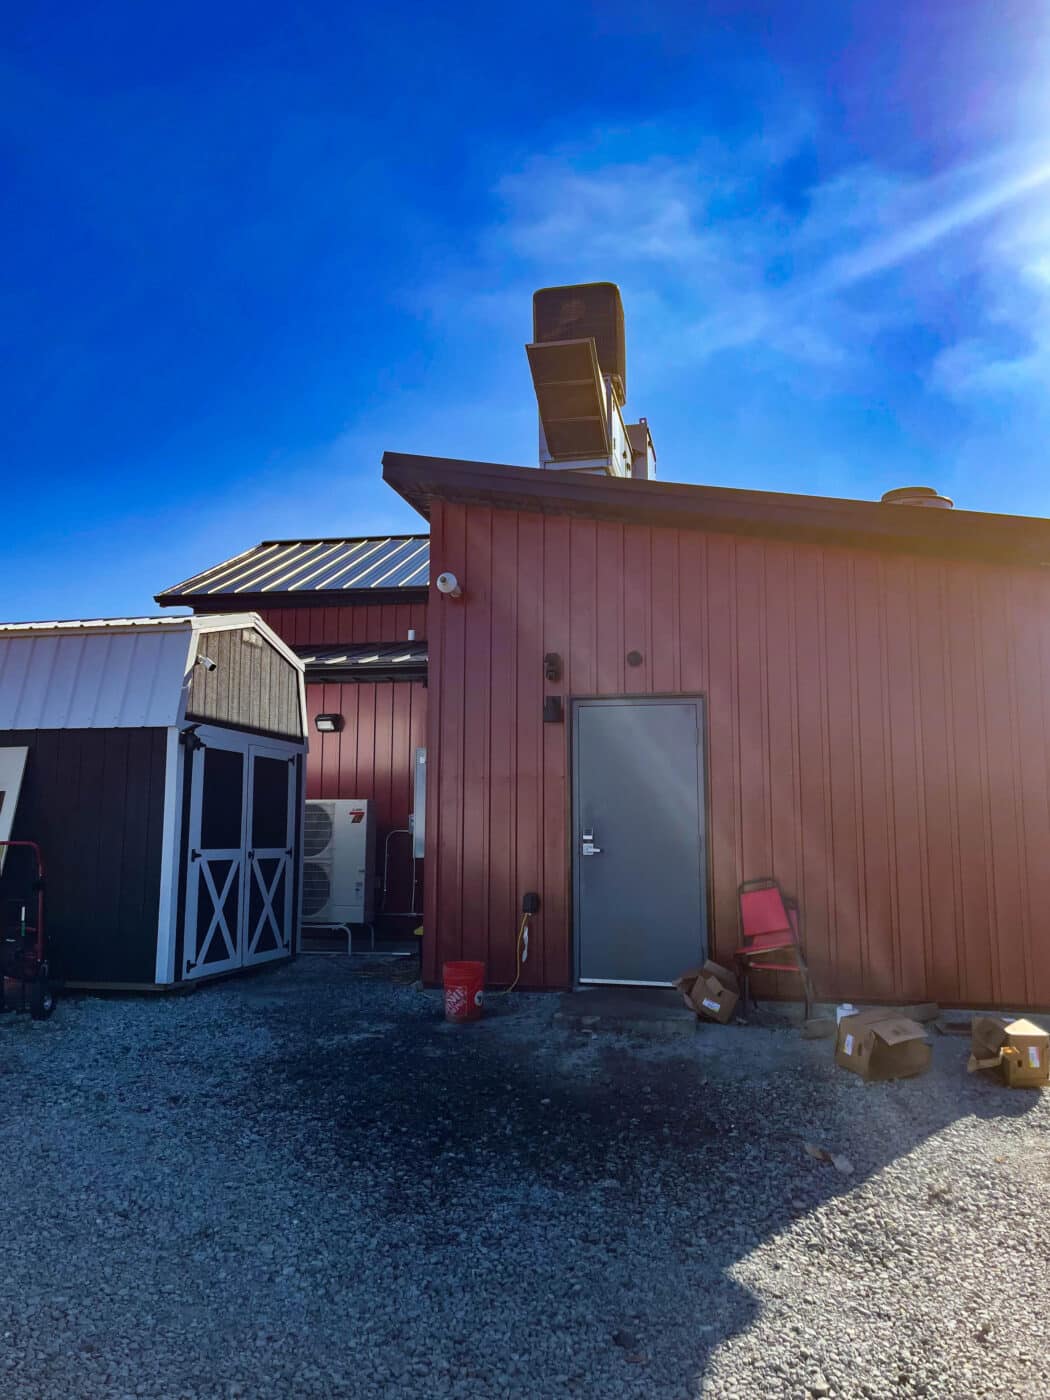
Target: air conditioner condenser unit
[339,857]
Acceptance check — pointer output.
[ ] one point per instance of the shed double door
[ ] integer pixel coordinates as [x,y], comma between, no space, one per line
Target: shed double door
[239,876]
[639,869]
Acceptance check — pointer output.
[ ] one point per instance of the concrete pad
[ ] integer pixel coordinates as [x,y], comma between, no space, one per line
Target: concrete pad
[649,1011]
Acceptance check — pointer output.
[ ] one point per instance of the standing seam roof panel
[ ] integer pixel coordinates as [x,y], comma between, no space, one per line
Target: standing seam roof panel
[251,574]
[314,566]
[360,551]
[254,573]
[71,680]
[218,571]
[342,553]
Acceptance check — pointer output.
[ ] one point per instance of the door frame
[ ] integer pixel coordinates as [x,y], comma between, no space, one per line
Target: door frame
[183,796]
[198,874]
[285,856]
[703,808]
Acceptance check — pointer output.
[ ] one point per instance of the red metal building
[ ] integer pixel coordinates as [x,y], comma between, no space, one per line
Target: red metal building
[355,611]
[872,686]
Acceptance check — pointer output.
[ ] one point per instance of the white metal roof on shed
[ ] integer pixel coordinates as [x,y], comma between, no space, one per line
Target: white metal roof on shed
[106,673]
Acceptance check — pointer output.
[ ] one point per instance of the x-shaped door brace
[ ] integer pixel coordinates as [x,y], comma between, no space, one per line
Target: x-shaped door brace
[269,893]
[218,920]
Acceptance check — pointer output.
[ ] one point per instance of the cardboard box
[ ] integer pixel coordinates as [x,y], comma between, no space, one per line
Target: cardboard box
[1018,1049]
[711,991]
[880,1044]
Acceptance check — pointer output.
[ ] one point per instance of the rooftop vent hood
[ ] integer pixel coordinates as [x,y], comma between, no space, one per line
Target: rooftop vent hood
[578,360]
[917,496]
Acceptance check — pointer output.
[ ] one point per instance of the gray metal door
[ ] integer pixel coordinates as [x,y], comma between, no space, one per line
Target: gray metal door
[639,853]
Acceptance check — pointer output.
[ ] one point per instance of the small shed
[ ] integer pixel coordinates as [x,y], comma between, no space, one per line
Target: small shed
[163,779]
[355,609]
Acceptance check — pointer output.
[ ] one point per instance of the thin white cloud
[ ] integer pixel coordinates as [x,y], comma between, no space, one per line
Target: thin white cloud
[713,257]
[920,236]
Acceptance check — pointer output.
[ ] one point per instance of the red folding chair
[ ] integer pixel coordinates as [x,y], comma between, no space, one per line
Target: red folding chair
[770,923]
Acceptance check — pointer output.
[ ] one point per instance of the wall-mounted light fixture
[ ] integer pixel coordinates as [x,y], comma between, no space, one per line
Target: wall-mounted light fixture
[449,585]
[552,666]
[328,724]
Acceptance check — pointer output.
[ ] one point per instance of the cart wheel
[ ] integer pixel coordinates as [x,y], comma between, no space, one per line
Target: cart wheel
[41,1000]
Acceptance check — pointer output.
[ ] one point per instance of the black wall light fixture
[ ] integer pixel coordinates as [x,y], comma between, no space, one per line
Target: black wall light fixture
[328,724]
[552,666]
[552,712]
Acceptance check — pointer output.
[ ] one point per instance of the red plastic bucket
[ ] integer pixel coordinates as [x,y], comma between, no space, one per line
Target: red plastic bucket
[464,990]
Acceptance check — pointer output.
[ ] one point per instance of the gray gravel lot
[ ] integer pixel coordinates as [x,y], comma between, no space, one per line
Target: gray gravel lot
[304,1184]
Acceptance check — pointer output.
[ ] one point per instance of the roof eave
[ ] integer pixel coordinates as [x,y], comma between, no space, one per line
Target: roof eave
[261,602]
[1022,540]
[359,675]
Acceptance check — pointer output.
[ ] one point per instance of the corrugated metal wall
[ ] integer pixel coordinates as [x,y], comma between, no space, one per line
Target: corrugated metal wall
[385,722]
[373,756]
[877,739]
[351,622]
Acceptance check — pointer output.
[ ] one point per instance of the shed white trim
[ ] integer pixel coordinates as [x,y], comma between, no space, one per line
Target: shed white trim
[168,908]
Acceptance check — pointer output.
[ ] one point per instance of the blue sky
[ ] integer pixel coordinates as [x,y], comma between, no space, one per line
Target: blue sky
[249,248]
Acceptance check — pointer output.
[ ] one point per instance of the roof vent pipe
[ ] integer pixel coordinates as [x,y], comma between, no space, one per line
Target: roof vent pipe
[917,496]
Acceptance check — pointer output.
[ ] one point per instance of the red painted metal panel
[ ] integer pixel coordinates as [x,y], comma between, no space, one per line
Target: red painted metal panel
[352,622]
[878,738]
[373,755]
[383,724]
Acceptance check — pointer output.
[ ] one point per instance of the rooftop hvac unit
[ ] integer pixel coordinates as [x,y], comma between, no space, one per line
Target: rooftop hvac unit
[578,362]
[589,310]
[339,858]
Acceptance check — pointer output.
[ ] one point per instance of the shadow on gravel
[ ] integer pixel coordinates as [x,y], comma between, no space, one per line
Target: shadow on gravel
[617,1182]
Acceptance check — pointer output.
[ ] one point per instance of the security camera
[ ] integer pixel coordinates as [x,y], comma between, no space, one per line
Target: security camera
[449,585]
[207,663]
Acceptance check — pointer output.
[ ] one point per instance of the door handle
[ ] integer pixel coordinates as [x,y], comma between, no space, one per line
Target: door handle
[588,848]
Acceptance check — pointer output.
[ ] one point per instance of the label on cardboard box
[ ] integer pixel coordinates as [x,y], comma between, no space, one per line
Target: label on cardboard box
[1033,1056]
[847,1045]
[711,1005]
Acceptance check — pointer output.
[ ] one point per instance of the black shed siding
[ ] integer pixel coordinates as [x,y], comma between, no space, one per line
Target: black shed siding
[253,686]
[94,801]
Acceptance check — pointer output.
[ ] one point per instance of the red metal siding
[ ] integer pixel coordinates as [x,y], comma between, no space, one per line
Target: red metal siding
[877,737]
[373,756]
[385,722]
[347,623]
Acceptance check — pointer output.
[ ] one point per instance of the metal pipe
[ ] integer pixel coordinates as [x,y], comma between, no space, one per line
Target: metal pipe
[399,913]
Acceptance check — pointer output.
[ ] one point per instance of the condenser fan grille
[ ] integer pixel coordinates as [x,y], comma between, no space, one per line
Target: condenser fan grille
[577,312]
[317,887]
[317,829]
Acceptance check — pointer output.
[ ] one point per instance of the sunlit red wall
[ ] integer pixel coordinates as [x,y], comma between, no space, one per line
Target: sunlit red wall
[877,738]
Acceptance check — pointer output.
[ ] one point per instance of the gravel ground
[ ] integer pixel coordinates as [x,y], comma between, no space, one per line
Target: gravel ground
[304,1184]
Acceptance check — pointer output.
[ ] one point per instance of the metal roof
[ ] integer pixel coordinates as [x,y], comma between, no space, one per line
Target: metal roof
[107,672]
[64,678]
[1016,540]
[313,566]
[95,624]
[364,658]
